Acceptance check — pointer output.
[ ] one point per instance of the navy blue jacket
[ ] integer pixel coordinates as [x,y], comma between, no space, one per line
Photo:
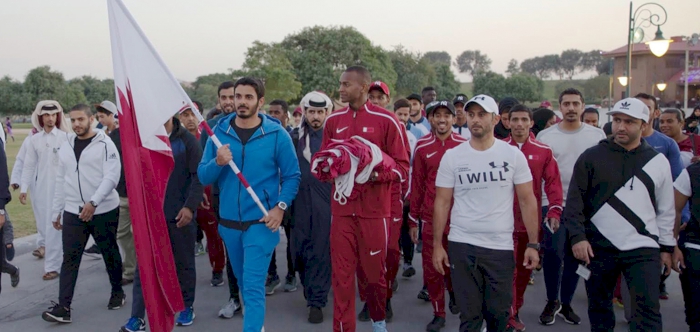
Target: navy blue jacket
[184,188]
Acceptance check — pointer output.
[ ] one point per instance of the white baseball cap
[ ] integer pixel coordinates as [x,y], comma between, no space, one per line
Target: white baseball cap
[632,107]
[108,106]
[484,101]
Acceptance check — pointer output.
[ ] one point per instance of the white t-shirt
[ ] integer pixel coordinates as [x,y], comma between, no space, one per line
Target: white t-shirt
[484,190]
[567,146]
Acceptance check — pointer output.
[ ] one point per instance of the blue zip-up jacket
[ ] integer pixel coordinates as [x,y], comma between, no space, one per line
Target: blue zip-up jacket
[268,162]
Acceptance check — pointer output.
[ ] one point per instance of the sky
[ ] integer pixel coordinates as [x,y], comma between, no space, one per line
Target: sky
[206,36]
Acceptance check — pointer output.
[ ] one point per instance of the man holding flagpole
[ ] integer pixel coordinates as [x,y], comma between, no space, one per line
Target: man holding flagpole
[272,168]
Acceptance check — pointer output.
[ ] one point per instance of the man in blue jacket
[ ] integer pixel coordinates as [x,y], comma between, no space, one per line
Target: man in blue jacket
[264,152]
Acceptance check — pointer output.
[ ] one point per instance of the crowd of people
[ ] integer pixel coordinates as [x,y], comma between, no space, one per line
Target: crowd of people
[486,191]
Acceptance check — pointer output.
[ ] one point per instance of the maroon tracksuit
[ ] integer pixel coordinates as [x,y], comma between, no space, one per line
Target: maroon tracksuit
[426,161]
[393,256]
[360,228]
[543,166]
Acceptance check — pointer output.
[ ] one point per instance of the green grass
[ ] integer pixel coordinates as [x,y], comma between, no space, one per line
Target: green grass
[22,216]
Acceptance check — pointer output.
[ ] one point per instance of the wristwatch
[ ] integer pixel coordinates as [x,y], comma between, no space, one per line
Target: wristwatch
[535,246]
[282,205]
[2,212]
[93,204]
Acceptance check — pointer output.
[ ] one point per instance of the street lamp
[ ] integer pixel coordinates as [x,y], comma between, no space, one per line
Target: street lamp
[661,86]
[659,46]
[623,81]
[639,20]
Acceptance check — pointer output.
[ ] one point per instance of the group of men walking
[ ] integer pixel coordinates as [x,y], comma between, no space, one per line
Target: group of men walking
[483,211]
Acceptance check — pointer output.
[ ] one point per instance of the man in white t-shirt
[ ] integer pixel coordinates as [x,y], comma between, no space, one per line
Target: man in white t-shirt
[568,139]
[483,176]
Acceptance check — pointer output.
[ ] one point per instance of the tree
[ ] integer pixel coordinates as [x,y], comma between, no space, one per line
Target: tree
[440,57]
[542,67]
[320,54]
[269,63]
[489,83]
[563,85]
[13,98]
[524,87]
[571,62]
[445,83]
[473,62]
[41,83]
[597,88]
[413,72]
[94,89]
[512,67]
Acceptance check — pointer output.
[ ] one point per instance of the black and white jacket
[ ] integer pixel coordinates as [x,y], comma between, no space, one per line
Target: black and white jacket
[621,200]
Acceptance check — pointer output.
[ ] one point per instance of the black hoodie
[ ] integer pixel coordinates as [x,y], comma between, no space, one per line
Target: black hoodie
[184,188]
[621,200]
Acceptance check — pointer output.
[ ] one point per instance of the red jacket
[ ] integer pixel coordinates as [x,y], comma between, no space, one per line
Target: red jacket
[426,161]
[543,166]
[382,128]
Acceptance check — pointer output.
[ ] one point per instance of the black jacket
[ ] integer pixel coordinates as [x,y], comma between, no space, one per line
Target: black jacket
[621,200]
[691,234]
[184,188]
[5,196]
[116,138]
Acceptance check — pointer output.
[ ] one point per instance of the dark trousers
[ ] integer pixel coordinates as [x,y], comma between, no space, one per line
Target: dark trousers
[272,269]
[233,290]
[557,254]
[103,228]
[690,284]
[182,241]
[407,246]
[2,255]
[642,271]
[482,280]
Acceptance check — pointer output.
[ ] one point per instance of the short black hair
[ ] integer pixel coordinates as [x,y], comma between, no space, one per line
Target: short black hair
[647,96]
[82,107]
[99,110]
[280,102]
[199,105]
[401,103]
[571,91]
[414,96]
[590,110]
[521,108]
[678,113]
[427,89]
[362,71]
[224,86]
[254,82]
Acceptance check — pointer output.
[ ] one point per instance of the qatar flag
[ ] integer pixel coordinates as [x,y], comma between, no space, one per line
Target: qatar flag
[147,96]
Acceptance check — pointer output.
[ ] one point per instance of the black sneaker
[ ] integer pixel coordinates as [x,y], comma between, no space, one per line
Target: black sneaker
[93,251]
[389,311]
[217,279]
[423,295]
[116,301]
[436,324]
[14,278]
[408,270]
[454,309]
[569,316]
[57,314]
[315,315]
[550,312]
[363,316]
[663,294]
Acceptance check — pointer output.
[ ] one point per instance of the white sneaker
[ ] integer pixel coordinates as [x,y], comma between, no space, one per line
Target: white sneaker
[229,309]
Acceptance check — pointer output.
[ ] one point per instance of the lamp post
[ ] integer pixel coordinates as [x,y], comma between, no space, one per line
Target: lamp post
[692,41]
[638,20]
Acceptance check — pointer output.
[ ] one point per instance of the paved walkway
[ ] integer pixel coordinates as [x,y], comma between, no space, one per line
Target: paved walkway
[21,307]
